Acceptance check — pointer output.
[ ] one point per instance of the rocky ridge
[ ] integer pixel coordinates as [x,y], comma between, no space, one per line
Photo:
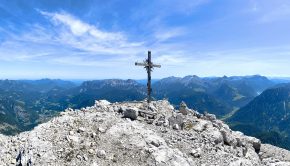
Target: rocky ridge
[131,133]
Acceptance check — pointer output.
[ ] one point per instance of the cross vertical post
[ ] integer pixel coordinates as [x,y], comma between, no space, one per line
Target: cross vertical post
[148,65]
[148,68]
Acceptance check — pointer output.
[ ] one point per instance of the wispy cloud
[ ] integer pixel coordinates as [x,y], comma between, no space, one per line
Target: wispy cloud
[74,42]
[78,34]
[68,41]
[164,34]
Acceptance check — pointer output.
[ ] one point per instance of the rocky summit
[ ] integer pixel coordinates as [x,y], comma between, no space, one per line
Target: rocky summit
[133,133]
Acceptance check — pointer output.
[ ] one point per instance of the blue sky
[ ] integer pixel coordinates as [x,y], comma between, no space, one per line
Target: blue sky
[96,39]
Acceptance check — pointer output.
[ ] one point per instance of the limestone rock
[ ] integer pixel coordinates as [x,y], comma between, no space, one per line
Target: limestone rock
[176,127]
[176,119]
[101,154]
[131,113]
[215,135]
[228,138]
[183,108]
[255,142]
[102,103]
[91,151]
[210,117]
[196,152]
[101,129]
[187,124]
[81,129]
[200,125]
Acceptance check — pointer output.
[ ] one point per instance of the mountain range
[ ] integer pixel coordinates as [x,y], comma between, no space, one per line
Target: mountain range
[238,100]
[217,95]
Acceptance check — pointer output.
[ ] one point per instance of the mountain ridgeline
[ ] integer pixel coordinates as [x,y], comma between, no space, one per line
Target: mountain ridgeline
[26,103]
[217,95]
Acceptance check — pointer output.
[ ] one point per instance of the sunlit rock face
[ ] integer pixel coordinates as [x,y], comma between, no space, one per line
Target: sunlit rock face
[133,133]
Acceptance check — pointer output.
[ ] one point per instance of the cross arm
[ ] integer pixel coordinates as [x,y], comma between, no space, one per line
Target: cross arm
[140,64]
[154,65]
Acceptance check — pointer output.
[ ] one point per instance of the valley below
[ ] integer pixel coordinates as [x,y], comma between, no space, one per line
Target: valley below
[255,105]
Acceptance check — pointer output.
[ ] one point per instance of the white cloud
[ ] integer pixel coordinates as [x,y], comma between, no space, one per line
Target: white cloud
[78,34]
[80,28]
[69,41]
[164,34]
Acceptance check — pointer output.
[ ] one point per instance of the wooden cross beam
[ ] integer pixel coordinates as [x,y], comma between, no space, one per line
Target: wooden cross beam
[148,65]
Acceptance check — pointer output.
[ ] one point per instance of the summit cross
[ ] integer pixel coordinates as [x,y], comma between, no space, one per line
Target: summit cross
[148,65]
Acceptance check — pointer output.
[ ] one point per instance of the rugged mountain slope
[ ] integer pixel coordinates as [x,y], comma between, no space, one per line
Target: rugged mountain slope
[217,95]
[193,91]
[45,85]
[268,114]
[23,104]
[256,82]
[26,103]
[113,90]
[119,134]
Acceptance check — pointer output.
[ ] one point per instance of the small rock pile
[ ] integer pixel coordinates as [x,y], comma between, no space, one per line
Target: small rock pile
[133,133]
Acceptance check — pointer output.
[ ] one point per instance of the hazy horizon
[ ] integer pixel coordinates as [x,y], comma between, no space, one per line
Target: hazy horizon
[145,78]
